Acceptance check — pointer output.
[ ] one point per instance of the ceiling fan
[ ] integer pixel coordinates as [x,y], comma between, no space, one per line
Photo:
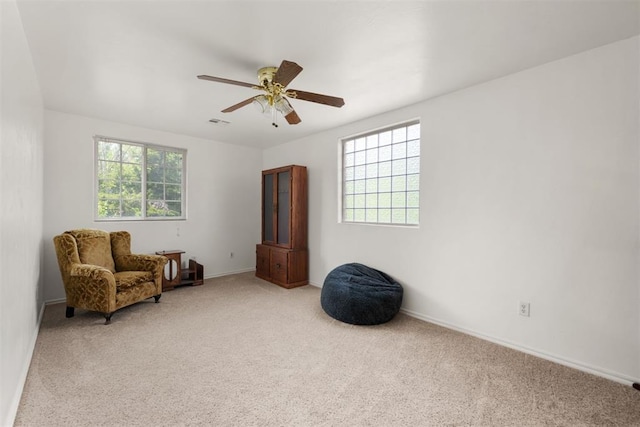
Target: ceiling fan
[273,82]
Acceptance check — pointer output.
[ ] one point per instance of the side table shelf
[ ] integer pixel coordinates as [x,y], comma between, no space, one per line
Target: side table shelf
[175,275]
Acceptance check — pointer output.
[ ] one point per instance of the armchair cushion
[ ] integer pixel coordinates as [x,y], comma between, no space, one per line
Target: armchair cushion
[130,279]
[94,247]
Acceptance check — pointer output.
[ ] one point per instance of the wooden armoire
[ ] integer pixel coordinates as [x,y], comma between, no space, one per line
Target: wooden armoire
[282,257]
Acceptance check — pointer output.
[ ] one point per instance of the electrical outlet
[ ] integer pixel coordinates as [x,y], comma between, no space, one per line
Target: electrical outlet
[523,309]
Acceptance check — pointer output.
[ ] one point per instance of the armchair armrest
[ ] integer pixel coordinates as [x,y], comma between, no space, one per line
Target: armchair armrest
[138,262]
[91,287]
[92,276]
[93,272]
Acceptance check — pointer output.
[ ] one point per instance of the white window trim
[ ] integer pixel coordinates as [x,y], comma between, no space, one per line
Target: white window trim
[145,145]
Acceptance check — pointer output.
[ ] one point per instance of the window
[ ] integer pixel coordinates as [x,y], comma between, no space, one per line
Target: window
[139,181]
[381,176]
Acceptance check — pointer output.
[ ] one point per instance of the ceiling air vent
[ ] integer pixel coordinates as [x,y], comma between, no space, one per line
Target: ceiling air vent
[219,122]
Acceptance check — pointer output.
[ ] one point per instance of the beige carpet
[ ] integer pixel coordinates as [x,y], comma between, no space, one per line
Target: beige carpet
[239,351]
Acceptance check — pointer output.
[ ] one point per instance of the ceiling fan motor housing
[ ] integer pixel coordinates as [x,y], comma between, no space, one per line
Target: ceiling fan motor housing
[266,74]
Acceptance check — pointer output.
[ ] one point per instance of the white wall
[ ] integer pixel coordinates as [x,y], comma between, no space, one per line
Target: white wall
[529,192]
[223,197]
[20,210]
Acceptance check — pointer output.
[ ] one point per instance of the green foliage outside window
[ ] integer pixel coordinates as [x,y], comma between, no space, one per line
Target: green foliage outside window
[164,183]
[131,177]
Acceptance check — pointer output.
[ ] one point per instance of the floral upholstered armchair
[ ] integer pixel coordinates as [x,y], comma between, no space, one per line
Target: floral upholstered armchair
[100,273]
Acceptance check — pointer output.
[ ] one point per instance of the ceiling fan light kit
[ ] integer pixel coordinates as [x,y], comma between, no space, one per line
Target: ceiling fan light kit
[269,106]
[273,81]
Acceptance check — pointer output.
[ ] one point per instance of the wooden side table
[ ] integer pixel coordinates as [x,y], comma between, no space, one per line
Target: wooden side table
[175,275]
[172,276]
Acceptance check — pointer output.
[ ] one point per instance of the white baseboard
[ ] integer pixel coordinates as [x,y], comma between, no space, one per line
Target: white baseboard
[229,273]
[15,402]
[613,376]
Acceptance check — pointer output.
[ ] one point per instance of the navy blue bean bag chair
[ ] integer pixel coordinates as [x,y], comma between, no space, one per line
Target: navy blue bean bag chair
[360,295]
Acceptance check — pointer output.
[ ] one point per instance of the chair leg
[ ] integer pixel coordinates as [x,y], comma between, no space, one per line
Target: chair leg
[107,316]
[157,298]
[70,312]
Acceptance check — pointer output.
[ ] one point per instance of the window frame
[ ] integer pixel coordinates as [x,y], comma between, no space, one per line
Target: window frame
[342,179]
[145,146]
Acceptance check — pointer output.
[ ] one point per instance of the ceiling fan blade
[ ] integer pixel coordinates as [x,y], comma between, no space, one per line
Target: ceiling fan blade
[287,71]
[238,105]
[292,117]
[333,101]
[228,81]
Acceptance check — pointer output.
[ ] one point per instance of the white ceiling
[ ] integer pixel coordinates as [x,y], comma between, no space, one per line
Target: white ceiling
[136,62]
